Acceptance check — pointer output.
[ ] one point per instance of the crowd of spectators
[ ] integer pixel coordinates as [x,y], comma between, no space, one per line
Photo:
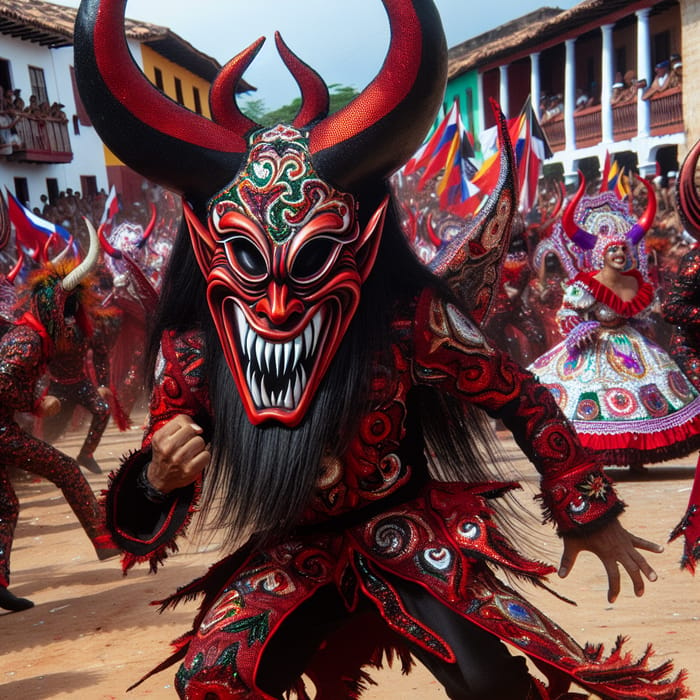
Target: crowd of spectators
[13,110]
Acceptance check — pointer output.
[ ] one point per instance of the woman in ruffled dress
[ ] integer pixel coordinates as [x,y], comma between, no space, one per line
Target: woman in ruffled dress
[626,397]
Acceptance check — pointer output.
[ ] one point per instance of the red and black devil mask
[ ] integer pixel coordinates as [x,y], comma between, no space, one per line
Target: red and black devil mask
[272,213]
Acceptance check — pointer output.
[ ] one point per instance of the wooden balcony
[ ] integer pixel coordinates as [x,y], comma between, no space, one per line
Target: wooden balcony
[587,126]
[43,141]
[667,112]
[666,118]
[625,121]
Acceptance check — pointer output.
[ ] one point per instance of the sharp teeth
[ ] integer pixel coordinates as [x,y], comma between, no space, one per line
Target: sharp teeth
[265,397]
[302,376]
[308,339]
[297,389]
[289,397]
[260,352]
[279,351]
[298,347]
[249,343]
[316,323]
[253,386]
[288,347]
[242,325]
[269,349]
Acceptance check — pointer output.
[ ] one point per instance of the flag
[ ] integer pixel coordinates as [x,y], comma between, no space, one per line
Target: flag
[622,186]
[613,177]
[455,186]
[531,148]
[111,207]
[31,230]
[429,155]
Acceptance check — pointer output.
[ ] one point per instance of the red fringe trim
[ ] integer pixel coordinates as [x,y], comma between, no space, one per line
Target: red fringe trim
[643,448]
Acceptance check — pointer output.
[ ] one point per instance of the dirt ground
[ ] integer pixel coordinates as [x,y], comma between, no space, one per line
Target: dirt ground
[92,632]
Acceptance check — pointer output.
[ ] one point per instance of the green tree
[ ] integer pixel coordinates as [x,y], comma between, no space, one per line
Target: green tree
[340,95]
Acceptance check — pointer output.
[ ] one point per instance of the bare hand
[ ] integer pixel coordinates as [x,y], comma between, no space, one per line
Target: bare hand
[179,454]
[105,392]
[49,406]
[613,545]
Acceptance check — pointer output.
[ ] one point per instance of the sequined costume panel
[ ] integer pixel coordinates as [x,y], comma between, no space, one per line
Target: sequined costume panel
[626,397]
[22,360]
[682,308]
[363,537]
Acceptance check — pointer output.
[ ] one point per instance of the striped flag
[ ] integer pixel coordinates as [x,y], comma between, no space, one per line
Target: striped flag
[31,230]
[111,207]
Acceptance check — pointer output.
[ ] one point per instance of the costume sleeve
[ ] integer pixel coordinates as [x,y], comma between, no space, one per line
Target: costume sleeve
[21,365]
[144,529]
[682,305]
[576,304]
[452,355]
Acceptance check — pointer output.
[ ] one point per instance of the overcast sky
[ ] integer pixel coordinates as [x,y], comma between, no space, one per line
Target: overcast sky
[344,41]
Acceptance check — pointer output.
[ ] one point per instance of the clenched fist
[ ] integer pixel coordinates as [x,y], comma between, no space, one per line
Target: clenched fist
[179,455]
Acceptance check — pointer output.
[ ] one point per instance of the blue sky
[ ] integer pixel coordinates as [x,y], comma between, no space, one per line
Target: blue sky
[344,41]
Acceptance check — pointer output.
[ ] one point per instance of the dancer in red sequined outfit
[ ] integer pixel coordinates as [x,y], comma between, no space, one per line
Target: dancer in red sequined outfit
[682,308]
[306,364]
[25,349]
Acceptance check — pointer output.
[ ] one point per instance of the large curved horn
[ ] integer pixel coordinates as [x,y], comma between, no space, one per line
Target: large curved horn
[63,253]
[315,100]
[687,193]
[11,276]
[150,226]
[148,131]
[646,220]
[81,271]
[581,238]
[106,245]
[381,128]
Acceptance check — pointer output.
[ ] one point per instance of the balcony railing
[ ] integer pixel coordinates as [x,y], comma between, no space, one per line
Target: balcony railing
[666,117]
[587,125]
[667,112]
[43,140]
[624,120]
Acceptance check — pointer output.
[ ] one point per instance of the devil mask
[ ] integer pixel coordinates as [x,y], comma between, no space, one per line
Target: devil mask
[272,213]
[284,258]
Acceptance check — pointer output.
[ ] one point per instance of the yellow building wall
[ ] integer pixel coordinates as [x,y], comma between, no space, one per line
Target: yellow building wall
[152,60]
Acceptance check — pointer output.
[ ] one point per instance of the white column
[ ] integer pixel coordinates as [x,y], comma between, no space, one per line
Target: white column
[570,94]
[503,89]
[535,86]
[482,103]
[643,69]
[607,77]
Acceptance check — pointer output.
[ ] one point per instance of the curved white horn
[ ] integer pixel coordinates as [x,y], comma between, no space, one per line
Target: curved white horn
[75,276]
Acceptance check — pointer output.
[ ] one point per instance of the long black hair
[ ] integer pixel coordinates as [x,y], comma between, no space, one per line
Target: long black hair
[261,478]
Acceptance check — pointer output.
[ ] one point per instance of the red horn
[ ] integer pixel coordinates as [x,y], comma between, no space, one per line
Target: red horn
[314,92]
[153,134]
[646,220]
[581,238]
[381,128]
[687,193]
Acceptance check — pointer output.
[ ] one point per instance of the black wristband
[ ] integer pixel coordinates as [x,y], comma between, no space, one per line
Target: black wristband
[153,494]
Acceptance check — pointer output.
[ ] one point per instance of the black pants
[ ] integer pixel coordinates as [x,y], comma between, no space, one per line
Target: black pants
[484,670]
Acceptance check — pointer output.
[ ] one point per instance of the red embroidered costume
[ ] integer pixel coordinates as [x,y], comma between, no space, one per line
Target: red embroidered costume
[307,366]
[25,350]
[682,308]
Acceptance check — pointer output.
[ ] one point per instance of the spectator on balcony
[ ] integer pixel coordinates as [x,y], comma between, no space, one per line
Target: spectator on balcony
[56,112]
[582,100]
[618,95]
[661,81]
[9,140]
[676,76]
[17,101]
[555,106]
